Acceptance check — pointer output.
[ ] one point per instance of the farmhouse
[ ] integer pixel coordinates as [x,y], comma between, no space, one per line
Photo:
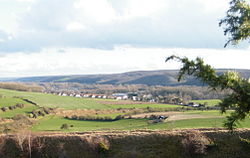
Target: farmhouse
[86,95]
[120,96]
[192,104]
[64,94]
[78,96]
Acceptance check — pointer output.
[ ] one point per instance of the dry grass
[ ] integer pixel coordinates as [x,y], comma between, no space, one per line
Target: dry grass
[4,121]
[83,112]
[138,143]
[143,115]
[140,132]
[173,116]
[193,116]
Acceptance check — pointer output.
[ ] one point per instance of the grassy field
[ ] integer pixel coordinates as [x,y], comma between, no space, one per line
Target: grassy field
[197,123]
[210,112]
[6,102]
[66,102]
[143,106]
[9,101]
[187,119]
[10,113]
[209,102]
[53,123]
[49,100]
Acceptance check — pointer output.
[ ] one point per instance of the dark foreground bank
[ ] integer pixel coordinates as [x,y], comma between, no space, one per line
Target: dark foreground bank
[206,143]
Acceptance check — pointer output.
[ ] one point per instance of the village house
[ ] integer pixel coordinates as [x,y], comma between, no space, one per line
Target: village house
[78,95]
[120,96]
[104,97]
[86,95]
[192,104]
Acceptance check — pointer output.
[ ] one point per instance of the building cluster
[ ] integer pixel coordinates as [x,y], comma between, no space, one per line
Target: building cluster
[131,96]
[117,96]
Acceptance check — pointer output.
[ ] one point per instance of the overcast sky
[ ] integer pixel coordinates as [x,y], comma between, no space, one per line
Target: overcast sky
[58,37]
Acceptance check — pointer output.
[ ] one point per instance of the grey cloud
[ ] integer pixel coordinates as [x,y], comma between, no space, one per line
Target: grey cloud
[183,24]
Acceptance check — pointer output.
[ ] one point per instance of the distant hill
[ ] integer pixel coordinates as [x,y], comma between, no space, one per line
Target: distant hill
[159,77]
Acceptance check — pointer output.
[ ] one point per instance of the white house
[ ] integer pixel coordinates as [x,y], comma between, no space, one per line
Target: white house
[192,104]
[78,96]
[104,97]
[86,95]
[64,94]
[120,96]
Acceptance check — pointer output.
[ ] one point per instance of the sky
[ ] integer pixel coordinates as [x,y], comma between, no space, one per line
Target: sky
[62,37]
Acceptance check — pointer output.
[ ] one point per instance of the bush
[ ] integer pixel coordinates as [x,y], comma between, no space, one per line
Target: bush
[19,117]
[35,115]
[31,115]
[12,107]
[74,117]
[4,109]
[119,117]
[245,142]
[153,117]
[102,147]
[19,105]
[195,143]
[94,118]
[46,110]
[41,113]
[65,126]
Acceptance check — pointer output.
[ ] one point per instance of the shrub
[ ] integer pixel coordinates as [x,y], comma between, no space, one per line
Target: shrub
[19,117]
[245,142]
[107,118]
[93,118]
[4,109]
[12,107]
[74,117]
[119,117]
[152,117]
[6,130]
[102,147]
[65,126]
[19,105]
[41,113]
[31,115]
[35,115]
[195,143]
[46,110]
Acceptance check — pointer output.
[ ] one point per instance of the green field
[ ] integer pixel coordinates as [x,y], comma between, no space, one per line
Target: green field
[10,113]
[206,113]
[143,106]
[49,100]
[209,102]
[66,102]
[197,123]
[6,102]
[53,123]
[212,118]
